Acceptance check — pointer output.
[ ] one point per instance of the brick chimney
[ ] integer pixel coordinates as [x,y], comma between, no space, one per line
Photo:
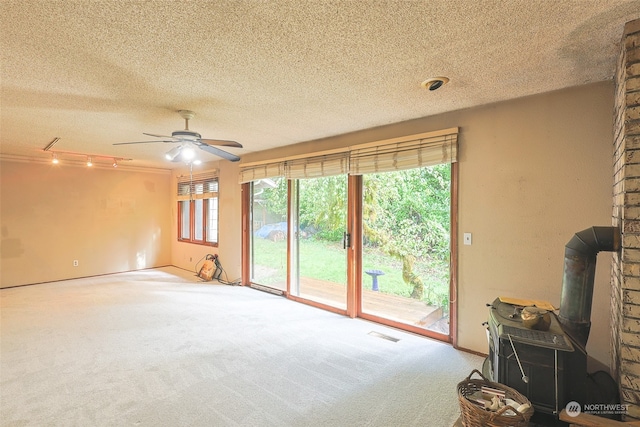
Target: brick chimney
[625,292]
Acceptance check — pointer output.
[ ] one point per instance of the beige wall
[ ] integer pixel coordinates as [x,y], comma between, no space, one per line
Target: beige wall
[189,256]
[110,220]
[533,172]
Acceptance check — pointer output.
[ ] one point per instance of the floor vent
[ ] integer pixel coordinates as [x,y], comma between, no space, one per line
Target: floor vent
[383,336]
[267,289]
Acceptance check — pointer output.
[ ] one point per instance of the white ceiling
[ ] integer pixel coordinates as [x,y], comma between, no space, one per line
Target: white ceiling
[272,73]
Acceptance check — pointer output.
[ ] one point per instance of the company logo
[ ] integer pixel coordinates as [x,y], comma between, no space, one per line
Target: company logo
[573,409]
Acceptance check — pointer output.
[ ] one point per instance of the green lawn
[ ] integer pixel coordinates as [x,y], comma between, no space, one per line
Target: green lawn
[327,261]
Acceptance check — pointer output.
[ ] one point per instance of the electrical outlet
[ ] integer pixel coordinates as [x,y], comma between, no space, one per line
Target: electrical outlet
[467,238]
[75,262]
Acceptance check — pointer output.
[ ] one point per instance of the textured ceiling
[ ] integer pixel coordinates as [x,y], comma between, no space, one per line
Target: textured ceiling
[272,73]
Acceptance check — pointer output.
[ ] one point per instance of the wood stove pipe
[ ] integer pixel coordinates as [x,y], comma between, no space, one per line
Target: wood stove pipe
[578,277]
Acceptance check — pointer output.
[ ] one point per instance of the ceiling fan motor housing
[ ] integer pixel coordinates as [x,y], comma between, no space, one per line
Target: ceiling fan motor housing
[186,134]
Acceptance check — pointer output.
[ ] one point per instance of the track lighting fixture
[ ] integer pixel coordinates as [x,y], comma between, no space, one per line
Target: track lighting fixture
[67,156]
[88,159]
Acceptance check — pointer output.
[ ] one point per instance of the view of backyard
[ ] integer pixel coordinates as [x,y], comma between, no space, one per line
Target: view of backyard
[268,255]
[406,223]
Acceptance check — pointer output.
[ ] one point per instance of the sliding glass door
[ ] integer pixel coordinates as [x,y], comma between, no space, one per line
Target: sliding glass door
[318,258]
[400,261]
[406,246]
[368,231]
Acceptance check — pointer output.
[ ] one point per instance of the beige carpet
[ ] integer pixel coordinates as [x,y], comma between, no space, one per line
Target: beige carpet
[159,348]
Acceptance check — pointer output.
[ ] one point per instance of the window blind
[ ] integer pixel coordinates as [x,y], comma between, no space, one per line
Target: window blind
[266,170]
[409,154]
[317,166]
[412,151]
[198,186]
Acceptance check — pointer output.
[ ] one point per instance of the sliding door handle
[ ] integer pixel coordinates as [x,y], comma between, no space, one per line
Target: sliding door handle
[346,240]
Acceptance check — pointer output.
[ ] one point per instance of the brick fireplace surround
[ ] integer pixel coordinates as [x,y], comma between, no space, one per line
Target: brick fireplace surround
[625,292]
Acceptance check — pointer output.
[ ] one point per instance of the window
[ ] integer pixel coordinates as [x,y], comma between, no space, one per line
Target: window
[198,209]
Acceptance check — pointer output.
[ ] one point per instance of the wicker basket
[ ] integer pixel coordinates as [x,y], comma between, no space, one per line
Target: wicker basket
[475,416]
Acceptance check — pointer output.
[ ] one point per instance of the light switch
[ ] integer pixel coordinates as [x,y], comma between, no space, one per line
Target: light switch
[467,238]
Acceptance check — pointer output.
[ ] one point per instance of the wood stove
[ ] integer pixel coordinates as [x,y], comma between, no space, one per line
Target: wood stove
[550,367]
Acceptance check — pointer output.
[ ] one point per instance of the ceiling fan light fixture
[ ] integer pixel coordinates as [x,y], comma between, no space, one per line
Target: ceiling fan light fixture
[115,163]
[173,153]
[435,83]
[54,159]
[188,153]
[89,162]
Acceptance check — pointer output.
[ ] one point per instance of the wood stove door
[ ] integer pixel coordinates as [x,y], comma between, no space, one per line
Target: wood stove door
[544,369]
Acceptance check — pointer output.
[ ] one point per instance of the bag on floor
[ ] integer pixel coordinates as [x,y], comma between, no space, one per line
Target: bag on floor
[207,269]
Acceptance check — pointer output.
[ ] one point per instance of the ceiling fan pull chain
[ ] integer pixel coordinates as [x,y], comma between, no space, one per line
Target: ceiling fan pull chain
[191,181]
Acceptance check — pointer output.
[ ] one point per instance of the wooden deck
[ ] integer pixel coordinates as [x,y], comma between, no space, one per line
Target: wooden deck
[393,307]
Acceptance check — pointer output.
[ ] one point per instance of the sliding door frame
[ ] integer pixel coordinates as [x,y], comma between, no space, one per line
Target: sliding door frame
[453,252]
[354,256]
[292,246]
[354,229]
[245,194]
[453,276]
[354,251]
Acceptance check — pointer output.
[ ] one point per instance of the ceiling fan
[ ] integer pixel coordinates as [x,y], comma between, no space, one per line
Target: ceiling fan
[188,138]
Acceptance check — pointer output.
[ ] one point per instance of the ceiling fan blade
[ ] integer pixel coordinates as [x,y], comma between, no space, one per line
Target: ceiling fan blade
[140,142]
[222,142]
[219,152]
[157,136]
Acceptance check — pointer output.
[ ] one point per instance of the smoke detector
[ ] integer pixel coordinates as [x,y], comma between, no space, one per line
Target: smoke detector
[435,83]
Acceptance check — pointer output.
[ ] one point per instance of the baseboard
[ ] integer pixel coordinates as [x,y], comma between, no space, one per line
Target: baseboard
[466,350]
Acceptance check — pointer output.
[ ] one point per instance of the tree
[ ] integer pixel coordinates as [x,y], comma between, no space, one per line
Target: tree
[411,208]
[275,199]
[406,214]
[323,206]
